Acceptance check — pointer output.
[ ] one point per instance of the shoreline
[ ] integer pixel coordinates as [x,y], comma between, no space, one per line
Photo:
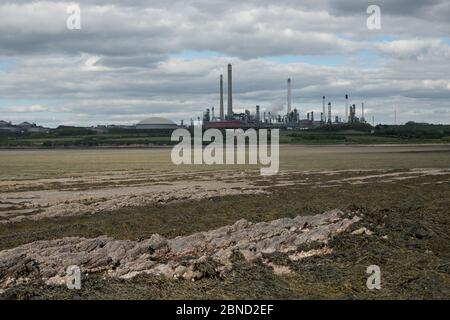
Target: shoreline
[168,146]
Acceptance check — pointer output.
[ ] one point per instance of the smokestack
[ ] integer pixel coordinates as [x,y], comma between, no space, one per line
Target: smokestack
[323,112]
[257,114]
[230,93]
[329,112]
[289,96]
[221,98]
[346,107]
[312,115]
[352,113]
[362,114]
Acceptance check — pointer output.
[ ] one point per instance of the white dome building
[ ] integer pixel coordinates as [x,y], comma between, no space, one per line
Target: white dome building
[157,123]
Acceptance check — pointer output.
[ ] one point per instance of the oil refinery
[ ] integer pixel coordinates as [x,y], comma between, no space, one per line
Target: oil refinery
[292,119]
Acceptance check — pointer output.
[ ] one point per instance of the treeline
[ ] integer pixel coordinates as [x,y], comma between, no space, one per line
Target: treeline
[412,130]
[66,136]
[362,127]
[308,136]
[363,133]
[359,133]
[70,131]
[95,142]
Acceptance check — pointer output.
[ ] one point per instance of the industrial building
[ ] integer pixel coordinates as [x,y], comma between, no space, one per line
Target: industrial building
[292,119]
[156,123]
[24,127]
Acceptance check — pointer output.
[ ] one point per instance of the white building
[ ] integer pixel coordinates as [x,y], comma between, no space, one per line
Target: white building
[157,123]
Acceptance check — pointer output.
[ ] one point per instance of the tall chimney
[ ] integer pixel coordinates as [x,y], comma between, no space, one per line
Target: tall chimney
[289,96]
[346,107]
[329,112]
[353,113]
[257,114]
[362,114]
[324,113]
[230,93]
[221,98]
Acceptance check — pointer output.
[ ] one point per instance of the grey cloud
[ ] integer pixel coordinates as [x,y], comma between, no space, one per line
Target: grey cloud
[121,66]
[390,7]
[244,29]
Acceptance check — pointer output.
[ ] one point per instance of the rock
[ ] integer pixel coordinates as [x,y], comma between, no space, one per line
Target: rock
[280,270]
[314,252]
[203,254]
[155,242]
[363,230]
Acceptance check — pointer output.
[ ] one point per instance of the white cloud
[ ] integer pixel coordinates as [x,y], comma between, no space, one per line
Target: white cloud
[26,109]
[418,49]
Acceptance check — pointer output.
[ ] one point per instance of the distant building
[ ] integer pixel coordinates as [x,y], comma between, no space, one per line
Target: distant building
[38,129]
[8,127]
[4,124]
[156,123]
[22,127]
[119,126]
[25,125]
[99,129]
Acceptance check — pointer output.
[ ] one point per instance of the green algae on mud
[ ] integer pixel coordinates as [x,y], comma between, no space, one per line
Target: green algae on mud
[410,221]
[410,242]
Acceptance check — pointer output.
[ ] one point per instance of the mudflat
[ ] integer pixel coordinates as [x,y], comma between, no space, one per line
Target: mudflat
[397,198]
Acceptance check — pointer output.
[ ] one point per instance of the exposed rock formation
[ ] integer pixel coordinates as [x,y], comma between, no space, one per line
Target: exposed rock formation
[40,204]
[189,257]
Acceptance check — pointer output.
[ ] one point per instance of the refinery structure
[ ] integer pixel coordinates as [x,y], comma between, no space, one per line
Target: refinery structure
[292,119]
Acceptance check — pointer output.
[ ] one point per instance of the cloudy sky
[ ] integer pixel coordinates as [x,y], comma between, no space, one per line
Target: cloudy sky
[138,58]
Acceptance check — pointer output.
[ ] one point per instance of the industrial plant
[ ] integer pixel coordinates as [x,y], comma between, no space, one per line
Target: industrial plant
[292,119]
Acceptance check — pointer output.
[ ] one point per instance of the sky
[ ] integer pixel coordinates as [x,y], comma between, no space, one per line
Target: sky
[134,59]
